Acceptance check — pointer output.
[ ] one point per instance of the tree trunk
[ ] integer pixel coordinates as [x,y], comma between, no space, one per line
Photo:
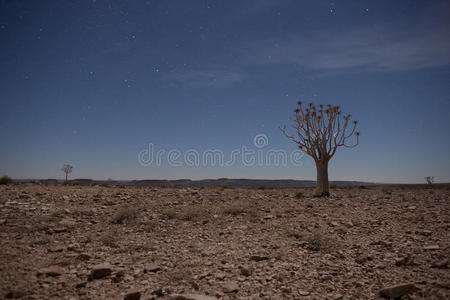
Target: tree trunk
[322,179]
[66,176]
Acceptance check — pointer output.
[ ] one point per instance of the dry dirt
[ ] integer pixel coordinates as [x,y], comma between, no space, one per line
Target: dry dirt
[225,243]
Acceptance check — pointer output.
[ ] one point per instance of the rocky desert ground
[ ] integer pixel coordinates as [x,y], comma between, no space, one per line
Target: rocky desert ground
[73,242]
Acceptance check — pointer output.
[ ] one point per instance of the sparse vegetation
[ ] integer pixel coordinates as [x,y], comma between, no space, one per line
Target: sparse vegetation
[319,241]
[238,208]
[187,213]
[126,214]
[299,195]
[5,180]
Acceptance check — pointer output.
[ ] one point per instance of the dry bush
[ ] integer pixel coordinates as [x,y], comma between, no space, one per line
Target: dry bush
[126,214]
[293,232]
[237,208]
[169,212]
[386,191]
[194,212]
[5,180]
[110,239]
[319,241]
[299,195]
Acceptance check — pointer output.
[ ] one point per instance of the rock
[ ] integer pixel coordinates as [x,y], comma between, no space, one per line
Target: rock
[59,229]
[56,249]
[190,297]
[52,271]
[246,271]
[84,256]
[326,277]
[397,291]
[14,294]
[412,207]
[2,221]
[230,287]
[341,230]
[431,247]
[101,270]
[151,267]
[67,222]
[303,293]
[258,257]
[119,276]
[132,296]
[334,224]
[408,260]
[424,232]
[442,264]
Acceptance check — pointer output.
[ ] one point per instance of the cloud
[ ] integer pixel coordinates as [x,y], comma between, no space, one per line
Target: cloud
[206,78]
[380,47]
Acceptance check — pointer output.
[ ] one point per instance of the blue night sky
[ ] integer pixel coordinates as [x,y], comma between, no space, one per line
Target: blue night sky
[93,83]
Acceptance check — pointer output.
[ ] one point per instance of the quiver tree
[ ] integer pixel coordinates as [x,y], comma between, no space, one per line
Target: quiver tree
[67,169]
[318,133]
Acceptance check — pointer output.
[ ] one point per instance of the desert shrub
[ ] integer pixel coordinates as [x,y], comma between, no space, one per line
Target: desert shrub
[299,195]
[333,186]
[386,191]
[262,187]
[319,241]
[236,208]
[193,213]
[169,212]
[125,214]
[293,233]
[5,180]
[187,213]
[110,240]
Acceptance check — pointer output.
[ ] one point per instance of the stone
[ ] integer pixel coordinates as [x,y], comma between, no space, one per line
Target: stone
[132,296]
[14,294]
[52,271]
[230,287]
[246,271]
[431,247]
[151,267]
[84,256]
[67,222]
[190,297]
[258,258]
[56,249]
[101,270]
[424,232]
[341,230]
[397,291]
[442,264]
[303,293]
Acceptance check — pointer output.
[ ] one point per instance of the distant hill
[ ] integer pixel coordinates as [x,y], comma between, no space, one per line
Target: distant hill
[221,182]
[236,183]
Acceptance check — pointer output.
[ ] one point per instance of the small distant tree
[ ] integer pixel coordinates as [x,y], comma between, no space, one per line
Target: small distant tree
[5,180]
[67,169]
[319,132]
[429,179]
